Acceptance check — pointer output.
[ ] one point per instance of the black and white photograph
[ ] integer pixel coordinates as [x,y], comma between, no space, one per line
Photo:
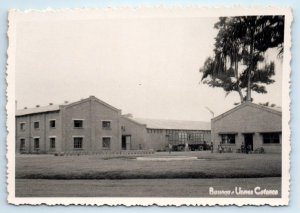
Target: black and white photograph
[173,106]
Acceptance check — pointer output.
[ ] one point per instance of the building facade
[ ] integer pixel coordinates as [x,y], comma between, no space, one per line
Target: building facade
[86,125]
[249,126]
[91,125]
[194,135]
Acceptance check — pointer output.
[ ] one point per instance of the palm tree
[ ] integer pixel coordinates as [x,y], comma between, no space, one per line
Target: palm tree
[242,42]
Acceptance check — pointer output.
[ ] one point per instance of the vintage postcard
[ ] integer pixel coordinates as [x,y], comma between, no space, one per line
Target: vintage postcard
[149,106]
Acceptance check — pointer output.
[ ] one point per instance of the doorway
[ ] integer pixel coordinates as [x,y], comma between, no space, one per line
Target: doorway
[126,142]
[123,142]
[248,138]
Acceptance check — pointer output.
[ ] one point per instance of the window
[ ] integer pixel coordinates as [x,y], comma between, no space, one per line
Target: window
[173,135]
[36,144]
[52,143]
[157,131]
[78,123]
[106,125]
[183,136]
[271,138]
[197,137]
[78,142]
[106,142]
[22,126]
[36,125]
[228,139]
[190,137]
[52,123]
[22,144]
[154,131]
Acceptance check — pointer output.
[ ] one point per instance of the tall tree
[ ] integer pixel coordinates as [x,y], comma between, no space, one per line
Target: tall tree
[238,63]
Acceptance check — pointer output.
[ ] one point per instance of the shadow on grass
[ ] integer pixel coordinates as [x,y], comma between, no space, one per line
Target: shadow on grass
[140,175]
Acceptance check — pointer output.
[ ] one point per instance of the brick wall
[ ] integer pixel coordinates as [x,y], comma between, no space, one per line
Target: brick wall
[103,113]
[136,131]
[157,141]
[92,113]
[43,132]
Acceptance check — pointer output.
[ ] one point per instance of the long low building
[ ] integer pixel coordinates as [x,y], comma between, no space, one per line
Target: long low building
[157,134]
[248,126]
[91,125]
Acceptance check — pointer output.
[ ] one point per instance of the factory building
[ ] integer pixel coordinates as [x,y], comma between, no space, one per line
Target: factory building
[248,126]
[91,125]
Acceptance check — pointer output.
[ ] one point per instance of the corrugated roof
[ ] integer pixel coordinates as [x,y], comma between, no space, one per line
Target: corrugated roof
[173,124]
[277,108]
[36,110]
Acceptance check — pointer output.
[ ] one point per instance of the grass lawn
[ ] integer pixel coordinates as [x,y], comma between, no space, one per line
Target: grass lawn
[208,165]
[141,187]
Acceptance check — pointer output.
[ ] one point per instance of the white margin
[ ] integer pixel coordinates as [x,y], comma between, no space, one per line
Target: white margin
[147,12]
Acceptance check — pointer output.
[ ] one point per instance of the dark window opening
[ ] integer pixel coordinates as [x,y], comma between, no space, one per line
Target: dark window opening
[78,123]
[52,124]
[106,124]
[106,142]
[22,126]
[228,139]
[271,138]
[52,143]
[36,125]
[36,144]
[78,142]
[22,144]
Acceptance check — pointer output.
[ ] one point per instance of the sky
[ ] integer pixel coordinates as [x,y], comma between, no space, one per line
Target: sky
[148,67]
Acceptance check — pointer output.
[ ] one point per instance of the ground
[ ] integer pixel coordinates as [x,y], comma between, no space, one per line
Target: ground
[46,175]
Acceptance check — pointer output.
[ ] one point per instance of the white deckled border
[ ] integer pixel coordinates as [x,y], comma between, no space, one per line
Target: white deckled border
[146,12]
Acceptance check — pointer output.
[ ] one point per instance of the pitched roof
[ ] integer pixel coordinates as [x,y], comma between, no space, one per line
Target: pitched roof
[132,120]
[49,108]
[173,124]
[275,110]
[95,99]
[55,107]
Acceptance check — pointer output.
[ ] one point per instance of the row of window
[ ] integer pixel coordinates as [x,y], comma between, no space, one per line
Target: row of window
[36,125]
[76,124]
[157,131]
[36,144]
[77,143]
[186,136]
[79,124]
[268,138]
[172,131]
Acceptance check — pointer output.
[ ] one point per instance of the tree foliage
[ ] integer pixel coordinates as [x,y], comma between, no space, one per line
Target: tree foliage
[238,63]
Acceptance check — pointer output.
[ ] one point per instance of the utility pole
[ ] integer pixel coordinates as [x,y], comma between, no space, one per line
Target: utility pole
[211,112]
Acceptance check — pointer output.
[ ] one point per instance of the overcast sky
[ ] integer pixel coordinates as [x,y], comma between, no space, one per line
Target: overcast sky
[147,67]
